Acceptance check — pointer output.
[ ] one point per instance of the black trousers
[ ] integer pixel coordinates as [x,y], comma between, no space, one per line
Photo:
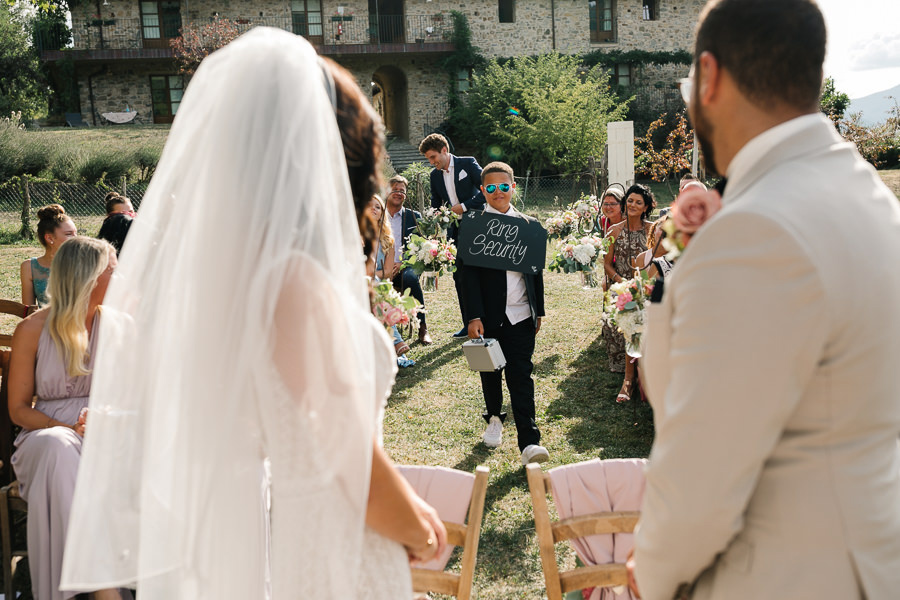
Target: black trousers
[407,279]
[457,281]
[517,343]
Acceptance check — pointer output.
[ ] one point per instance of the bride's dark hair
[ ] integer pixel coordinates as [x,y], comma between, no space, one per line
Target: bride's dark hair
[362,134]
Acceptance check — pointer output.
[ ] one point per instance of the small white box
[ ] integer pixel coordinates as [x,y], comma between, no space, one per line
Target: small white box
[484,354]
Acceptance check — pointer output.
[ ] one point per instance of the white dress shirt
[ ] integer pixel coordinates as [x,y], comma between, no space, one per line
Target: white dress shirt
[517,307]
[450,183]
[397,230]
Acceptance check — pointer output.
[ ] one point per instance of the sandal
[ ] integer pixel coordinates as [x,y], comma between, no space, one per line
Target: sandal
[401,348]
[624,395]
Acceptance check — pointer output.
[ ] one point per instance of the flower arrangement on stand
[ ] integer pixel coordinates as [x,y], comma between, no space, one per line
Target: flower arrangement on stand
[561,225]
[429,257]
[435,222]
[581,255]
[623,309]
[390,308]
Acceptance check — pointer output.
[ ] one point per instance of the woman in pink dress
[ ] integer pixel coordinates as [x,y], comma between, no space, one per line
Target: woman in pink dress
[52,358]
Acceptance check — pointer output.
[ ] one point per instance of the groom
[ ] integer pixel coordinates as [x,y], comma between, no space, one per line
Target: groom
[771,360]
[455,182]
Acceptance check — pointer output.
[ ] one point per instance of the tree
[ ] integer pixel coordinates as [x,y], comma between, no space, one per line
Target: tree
[544,112]
[833,102]
[674,156]
[196,42]
[21,81]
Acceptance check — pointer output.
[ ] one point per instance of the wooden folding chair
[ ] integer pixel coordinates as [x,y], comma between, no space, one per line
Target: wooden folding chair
[550,533]
[458,534]
[13,510]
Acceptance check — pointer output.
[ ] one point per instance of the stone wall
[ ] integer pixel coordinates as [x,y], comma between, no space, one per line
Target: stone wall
[120,84]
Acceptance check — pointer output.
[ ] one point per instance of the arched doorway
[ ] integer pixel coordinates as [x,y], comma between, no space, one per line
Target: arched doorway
[393,104]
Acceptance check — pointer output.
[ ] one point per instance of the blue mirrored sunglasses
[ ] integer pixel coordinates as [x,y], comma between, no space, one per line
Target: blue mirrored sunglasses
[490,189]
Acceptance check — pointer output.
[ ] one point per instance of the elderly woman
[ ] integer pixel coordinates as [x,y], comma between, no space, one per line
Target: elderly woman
[611,207]
[52,358]
[629,240]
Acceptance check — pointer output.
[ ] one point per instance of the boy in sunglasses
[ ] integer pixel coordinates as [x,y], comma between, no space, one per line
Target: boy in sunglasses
[507,306]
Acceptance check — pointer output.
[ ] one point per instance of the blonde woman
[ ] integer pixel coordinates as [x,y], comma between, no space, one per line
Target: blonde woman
[52,358]
[384,250]
[54,227]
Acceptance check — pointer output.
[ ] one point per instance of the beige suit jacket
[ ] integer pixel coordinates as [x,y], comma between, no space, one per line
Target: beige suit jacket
[773,367]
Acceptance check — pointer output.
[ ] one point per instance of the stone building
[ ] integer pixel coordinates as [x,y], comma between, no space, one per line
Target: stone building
[123,61]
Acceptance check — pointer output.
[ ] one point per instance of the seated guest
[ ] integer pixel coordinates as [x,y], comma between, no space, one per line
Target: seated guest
[53,352]
[383,262]
[611,207]
[114,230]
[403,223]
[54,227]
[507,306]
[117,204]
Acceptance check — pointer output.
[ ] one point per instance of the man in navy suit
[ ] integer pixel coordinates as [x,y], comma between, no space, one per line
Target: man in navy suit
[507,306]
[403,223]
[455,182]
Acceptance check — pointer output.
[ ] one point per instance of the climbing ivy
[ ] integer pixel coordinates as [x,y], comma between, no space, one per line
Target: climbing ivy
[610,58]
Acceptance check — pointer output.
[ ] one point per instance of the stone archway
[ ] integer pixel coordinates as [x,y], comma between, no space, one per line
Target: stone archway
[390,83]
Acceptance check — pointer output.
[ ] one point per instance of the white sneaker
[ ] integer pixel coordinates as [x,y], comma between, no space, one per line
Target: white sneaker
[534,454]
[493,433]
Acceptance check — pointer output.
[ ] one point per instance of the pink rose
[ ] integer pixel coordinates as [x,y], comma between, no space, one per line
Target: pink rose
[623,299]
[695,207]
[392,317]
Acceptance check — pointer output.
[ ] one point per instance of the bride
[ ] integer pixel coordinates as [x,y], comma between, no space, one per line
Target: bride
[247,336]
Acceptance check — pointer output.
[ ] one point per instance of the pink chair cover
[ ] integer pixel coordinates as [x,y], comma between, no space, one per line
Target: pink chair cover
[600,486]
[449,491]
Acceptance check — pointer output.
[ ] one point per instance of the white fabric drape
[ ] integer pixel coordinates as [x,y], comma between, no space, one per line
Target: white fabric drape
[248,335]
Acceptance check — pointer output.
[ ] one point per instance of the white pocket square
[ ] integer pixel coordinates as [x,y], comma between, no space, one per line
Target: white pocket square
[463,175]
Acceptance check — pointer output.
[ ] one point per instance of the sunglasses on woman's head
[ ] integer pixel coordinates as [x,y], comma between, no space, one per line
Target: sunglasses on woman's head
[490,189]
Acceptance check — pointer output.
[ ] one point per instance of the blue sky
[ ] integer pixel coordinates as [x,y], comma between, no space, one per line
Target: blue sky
[863,45]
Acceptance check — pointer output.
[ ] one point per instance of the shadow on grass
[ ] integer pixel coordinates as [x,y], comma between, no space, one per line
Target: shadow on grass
[588,395]
[425,365]
[477,456]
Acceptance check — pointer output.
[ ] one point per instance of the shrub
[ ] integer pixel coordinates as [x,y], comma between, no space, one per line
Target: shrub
[105,164]
[146,158]
[412,197]
[65,164]
[35,154]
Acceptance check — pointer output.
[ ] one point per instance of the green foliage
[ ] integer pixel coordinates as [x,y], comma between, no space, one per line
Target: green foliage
[465,55]
[107,163]
[879,145]
[833,102]
[563,111]
[611,58]
[146,158]
[49,29]
[665,151]
[21,87]
[418,171]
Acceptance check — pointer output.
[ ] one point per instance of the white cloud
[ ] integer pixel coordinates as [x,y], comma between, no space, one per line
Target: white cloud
[881,50]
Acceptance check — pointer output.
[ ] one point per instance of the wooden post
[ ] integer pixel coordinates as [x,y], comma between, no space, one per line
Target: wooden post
[125,185]
[25,233]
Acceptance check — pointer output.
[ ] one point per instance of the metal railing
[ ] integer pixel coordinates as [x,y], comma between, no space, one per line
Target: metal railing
[129,34]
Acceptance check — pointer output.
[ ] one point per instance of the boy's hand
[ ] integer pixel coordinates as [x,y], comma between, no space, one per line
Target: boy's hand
[476,329]
[537,326]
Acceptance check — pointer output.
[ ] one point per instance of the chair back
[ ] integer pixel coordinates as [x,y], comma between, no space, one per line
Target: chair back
[7,431]
[455,495]
[590,506]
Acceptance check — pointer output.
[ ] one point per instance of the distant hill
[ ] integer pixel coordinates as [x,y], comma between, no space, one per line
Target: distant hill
[874,107]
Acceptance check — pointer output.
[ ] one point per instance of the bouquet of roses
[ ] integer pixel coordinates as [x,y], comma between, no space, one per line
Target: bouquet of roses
[693,207]
[579,254]
[436,221]
[429,254]
[561,225]
[623,308]
[586,207]
[390,308]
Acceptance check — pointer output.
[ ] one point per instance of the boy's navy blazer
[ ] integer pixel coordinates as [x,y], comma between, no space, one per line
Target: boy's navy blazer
[484,293]
[468,189]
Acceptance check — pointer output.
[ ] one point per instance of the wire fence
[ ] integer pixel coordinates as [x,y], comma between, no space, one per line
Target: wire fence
[20,200]
[533,194]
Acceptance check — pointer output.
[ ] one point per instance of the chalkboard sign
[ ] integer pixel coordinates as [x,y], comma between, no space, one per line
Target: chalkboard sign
[501,242]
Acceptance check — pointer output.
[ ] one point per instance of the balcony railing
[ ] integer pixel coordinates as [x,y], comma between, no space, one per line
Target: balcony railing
[334,35]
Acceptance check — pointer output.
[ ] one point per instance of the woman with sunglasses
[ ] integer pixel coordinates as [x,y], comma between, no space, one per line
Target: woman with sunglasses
[629,240]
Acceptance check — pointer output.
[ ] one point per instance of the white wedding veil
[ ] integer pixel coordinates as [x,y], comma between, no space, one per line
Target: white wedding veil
[238,328]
